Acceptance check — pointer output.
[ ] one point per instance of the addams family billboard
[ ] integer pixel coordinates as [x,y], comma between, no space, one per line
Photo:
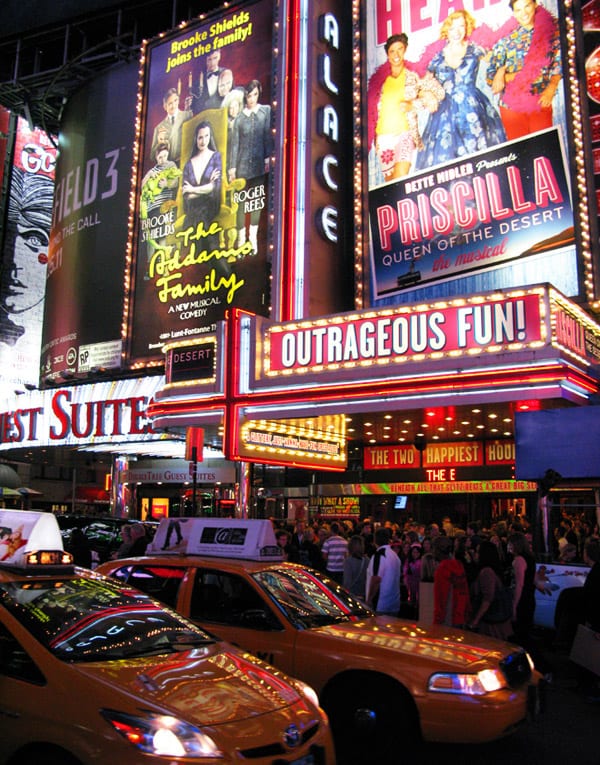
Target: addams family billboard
[467,149]
[204,180]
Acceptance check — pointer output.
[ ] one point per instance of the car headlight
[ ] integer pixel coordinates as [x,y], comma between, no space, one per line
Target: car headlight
[162,735]
[486,681]
[307,691]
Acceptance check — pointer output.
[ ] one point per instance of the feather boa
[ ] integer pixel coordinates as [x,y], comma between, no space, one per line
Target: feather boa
[517,93]
[374,87]
[483,36]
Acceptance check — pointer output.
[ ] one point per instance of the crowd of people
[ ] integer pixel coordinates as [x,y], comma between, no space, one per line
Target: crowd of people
[478,578]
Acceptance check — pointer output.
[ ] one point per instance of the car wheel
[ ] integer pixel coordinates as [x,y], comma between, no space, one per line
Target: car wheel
[49,755]
[370,717]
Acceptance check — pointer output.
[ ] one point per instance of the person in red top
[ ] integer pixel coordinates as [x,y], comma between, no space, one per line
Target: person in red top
[451,602]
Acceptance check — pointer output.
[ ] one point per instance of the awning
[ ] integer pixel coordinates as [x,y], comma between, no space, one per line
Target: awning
[9,478]
[25,491]
[6,492]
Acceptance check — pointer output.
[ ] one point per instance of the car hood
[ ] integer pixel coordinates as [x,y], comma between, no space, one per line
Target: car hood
[206,686]
[440,645]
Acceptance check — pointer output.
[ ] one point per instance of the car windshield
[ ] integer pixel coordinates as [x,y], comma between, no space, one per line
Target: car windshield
[308,599]
[93,619]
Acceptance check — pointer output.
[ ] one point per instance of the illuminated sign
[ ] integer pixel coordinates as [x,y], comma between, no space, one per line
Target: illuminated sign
[415,333]
[471,215]
[301,444]
[230,538]
[95,413]
[335,506]
[27,217]
[179,471]
[506,486]
[442,454]
[85,285]
[470,178]
[24,531]
[328,125]
[574,331]
[203,194]
[195,360]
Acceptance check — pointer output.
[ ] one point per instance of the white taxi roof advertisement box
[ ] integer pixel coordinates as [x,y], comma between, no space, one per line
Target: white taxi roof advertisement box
[24,531]
[217,537]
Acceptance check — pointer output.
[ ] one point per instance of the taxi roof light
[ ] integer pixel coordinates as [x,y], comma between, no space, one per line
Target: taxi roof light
[49,558]
[247,539]
[30,537]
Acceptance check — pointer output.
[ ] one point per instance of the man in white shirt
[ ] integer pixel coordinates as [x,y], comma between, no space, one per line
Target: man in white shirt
[383,576]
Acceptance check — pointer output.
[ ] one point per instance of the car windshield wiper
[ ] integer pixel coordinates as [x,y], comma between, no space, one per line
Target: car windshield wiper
[323,620]
[178,645]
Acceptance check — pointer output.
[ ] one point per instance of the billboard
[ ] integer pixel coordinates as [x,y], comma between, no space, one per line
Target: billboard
[467,149]
[591,43]
[4,123]
[563,440]
[88,241]
[25,253]
[204,194]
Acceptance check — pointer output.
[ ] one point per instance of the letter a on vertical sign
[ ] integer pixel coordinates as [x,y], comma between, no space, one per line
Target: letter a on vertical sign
[194,444]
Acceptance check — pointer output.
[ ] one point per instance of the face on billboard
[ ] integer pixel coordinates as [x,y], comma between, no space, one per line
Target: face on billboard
[467,149]
[26,248]
[28,273]
[202,224]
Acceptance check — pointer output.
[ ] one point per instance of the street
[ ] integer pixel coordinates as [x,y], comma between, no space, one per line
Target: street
[568,732]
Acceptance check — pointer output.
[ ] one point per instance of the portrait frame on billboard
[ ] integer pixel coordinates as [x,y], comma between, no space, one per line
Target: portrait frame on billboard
[205,182]
[463,206]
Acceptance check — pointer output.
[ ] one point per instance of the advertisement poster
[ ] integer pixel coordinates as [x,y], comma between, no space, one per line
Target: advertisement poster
[591,39]
[467,160]
[4,123]
[25,254]
[473,214]
[204,196]
[88,242]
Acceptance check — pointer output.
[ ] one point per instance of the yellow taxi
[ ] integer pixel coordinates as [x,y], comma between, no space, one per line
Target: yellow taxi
[381,680]
[95,672]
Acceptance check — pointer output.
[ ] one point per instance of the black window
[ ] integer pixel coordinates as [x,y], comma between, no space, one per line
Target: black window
[224,598]
[16,662]
[160,582]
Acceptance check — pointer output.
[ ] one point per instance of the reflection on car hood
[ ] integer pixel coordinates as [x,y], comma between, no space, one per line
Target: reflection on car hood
[436,644]
[205,686]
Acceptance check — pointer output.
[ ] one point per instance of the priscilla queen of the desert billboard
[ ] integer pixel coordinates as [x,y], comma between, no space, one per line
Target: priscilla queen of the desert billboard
[467,158]
[204,180]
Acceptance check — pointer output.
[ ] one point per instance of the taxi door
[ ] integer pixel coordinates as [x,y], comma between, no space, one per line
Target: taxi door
[228,605]
[32,702]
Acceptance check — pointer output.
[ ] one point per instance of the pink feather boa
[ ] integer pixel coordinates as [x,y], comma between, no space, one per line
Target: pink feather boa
[517,93]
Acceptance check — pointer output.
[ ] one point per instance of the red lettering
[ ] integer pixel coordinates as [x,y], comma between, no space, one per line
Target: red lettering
[546,186]
[516,191]
[387,223]
[61,415]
